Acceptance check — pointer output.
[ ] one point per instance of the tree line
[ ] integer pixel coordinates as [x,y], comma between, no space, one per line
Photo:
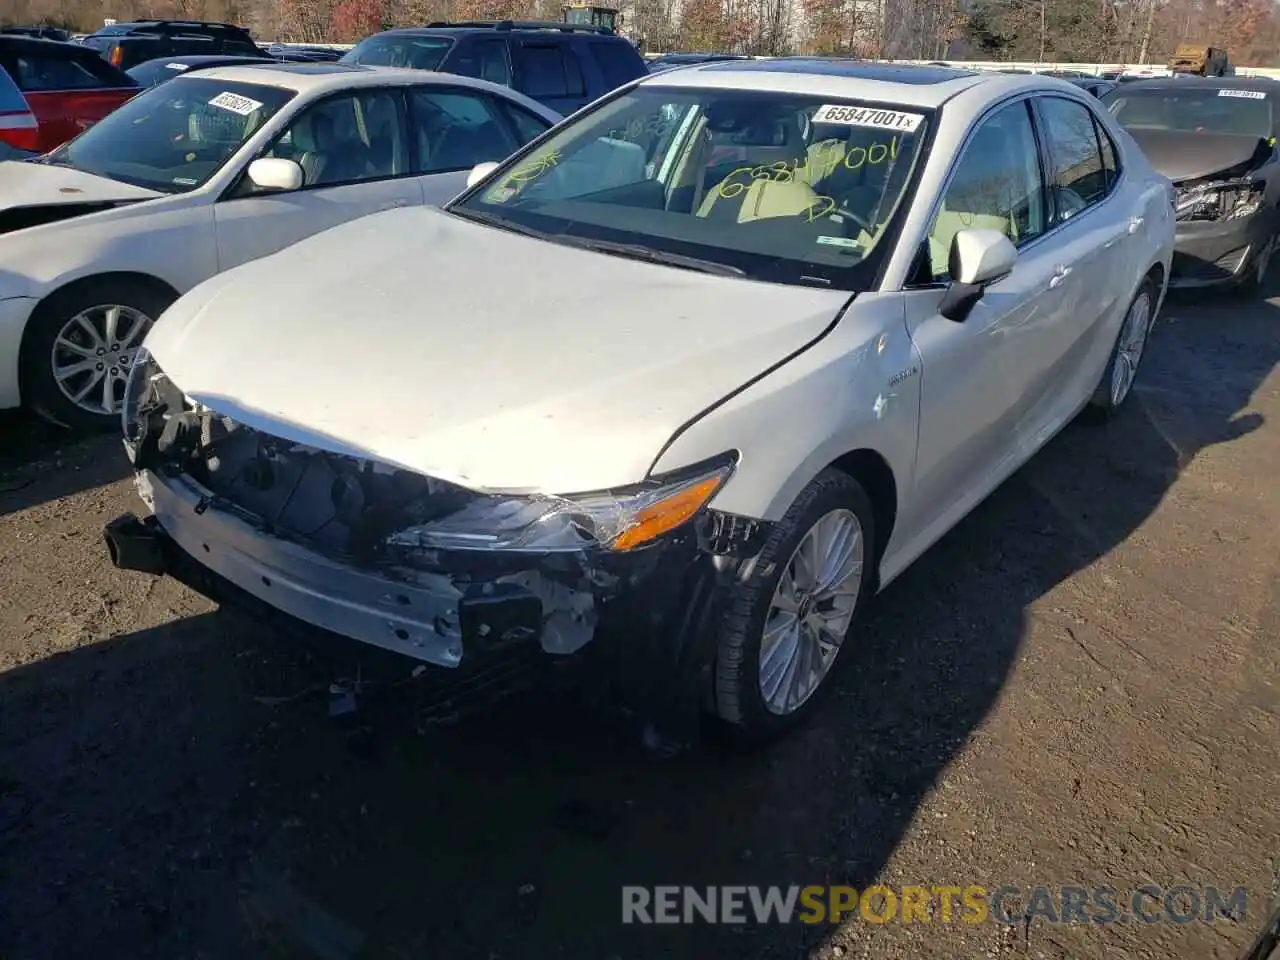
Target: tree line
[1083,31]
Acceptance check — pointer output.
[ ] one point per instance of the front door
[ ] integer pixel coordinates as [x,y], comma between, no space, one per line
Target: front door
[973,384]
[354,152]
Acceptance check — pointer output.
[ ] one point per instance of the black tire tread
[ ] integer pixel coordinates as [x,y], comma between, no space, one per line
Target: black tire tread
[734,679]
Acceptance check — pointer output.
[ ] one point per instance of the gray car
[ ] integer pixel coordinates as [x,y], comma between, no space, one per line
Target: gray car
[1215,139]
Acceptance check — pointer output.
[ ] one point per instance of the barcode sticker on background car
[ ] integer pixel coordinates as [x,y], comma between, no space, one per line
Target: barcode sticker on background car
[868,117]
[235,103]
[1246,94]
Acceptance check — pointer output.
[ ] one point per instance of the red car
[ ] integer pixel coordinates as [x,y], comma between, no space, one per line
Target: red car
[68,88]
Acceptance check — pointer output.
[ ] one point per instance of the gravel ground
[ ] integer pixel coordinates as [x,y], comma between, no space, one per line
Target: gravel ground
[1078,685]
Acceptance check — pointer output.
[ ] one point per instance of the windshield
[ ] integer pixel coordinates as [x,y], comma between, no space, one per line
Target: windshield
[175,136]
[1192,110]
[399,50]
[780,187]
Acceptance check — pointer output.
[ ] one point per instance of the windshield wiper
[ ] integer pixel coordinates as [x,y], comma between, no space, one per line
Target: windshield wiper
[638,251]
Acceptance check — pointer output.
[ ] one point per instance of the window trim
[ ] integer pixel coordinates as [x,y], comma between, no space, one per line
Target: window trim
[234,188]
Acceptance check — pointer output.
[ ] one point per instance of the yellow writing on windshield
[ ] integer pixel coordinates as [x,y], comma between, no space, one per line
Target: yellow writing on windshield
[830,156]
[536,167]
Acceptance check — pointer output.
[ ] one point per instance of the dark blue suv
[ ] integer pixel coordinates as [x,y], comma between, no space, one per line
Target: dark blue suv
[561,65]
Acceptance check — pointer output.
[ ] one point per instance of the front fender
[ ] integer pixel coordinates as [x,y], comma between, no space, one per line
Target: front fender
[837,396]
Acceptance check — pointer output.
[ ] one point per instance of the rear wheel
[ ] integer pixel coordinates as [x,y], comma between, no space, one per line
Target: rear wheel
[1126,355]
[79,348]
[790,616]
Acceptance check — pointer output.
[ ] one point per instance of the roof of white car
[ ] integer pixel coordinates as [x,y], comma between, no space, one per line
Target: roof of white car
[323,77]
[905,84]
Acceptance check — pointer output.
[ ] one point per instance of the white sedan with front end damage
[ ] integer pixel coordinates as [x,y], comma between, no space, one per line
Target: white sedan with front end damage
[683,383]
[204,173]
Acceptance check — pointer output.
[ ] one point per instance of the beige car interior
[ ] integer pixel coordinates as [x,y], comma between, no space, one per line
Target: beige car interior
[817,176]
[976,197]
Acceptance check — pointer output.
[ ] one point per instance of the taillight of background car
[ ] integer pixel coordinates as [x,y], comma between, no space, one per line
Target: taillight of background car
[18,127]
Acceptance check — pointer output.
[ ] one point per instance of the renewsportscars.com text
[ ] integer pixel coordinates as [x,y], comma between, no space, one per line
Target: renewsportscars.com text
[1009,904]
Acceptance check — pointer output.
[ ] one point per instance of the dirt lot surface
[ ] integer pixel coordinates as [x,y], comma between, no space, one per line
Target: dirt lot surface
[1078,685]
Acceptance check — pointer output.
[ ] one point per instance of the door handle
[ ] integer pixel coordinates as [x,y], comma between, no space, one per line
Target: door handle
[1060,274]
[1135,223]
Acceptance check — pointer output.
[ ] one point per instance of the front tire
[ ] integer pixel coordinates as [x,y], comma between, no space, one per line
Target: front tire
[1126,355]
[790,615]
[79,347]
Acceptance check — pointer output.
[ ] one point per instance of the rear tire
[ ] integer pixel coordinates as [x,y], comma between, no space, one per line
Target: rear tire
[833,504]
[80,343]
[1126,355]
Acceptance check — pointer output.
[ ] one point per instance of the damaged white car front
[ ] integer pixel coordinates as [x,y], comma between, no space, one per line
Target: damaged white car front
[422,566]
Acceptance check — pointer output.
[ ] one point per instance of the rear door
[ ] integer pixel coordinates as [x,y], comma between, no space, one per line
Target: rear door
[454,128]
[67,91]
[548,71]
[353,148]
[1088,235]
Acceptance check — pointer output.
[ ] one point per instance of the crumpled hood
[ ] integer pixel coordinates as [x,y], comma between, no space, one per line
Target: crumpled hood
[1190,156]
[477,355]
[40,184]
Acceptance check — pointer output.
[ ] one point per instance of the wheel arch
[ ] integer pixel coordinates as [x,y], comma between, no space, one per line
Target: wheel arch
[71,286]
[873,472]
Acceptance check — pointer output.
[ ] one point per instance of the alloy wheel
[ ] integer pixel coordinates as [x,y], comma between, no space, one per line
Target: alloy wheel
[1133,340]
[93,354]
[812,607]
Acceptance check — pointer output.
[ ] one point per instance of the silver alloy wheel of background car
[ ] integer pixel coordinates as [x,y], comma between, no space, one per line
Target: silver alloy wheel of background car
[811,609]
[93,353]
[1133,340]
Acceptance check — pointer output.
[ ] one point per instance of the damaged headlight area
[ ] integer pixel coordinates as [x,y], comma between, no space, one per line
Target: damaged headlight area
[617,522]
[379,514]
[1220,200]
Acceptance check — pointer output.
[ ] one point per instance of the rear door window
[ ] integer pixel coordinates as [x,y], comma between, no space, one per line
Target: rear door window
[455,130]
[486,59]
[1077,176]
[549,70]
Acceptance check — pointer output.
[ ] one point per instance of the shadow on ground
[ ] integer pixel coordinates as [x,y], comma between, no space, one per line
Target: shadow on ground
[149,805]
[40,462]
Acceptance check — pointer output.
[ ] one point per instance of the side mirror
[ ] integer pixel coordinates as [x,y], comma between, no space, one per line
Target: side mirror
[275,174]
[978,259]
[480,171]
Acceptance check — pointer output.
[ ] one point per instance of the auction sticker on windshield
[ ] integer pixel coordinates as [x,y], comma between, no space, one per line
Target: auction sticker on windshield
[235,103]
[868,117]
[1246,94]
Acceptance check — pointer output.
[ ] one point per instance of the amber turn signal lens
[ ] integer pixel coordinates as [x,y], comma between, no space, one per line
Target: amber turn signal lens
[668,513]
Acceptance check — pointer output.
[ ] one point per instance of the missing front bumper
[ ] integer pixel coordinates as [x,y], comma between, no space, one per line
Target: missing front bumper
[430,618]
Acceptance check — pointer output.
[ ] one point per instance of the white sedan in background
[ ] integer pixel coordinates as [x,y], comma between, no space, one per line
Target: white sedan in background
[762,332]
[204,173]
